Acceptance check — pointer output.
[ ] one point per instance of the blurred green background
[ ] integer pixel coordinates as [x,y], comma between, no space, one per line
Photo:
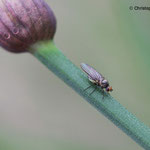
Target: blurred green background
[39,112]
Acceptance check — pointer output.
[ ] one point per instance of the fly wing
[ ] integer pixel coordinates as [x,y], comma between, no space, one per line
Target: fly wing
[93,74]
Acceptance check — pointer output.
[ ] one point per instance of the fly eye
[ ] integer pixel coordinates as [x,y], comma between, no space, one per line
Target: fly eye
[110,89]
[107,89]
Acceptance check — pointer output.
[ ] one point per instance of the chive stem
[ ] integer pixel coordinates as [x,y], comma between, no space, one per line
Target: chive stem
[55,61]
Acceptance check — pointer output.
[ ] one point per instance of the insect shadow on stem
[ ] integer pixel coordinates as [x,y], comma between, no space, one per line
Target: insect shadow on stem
[96,78]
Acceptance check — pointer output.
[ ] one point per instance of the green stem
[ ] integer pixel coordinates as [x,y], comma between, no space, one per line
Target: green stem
[54,59]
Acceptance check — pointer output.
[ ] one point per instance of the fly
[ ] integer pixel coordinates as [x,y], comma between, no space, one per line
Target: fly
[96,78]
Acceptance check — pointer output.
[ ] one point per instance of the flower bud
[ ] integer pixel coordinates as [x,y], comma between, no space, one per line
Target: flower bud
[25,22]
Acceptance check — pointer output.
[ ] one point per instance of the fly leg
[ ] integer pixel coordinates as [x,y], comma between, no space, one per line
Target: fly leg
[103,93]
[88,87]
[93,90]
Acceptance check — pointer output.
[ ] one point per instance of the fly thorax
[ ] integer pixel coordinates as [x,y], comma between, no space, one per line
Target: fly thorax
[104,83]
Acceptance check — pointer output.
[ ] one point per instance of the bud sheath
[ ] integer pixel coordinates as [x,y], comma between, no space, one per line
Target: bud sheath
[23,23]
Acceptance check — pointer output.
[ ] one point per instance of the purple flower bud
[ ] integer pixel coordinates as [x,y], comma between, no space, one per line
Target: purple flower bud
[24,22]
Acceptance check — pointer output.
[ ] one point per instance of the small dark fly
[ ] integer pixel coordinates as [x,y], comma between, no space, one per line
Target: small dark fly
[96,78]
